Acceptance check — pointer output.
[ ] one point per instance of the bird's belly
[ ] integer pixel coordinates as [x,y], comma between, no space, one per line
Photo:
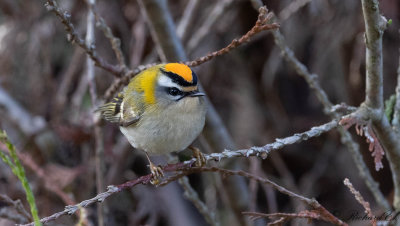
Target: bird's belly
[165,135]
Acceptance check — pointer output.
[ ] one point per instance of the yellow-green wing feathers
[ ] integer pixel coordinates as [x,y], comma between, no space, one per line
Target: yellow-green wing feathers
[116,111]
[111,111]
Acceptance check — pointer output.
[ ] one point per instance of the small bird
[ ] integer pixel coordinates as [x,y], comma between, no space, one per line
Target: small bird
[161,110]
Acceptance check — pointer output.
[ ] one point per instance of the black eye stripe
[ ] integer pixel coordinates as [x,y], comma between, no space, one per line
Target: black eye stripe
[173,91]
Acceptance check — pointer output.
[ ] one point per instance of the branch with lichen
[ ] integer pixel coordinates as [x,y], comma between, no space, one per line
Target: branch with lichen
[372,109]
[186,167]
[382,139]
[279,143]
[329,109]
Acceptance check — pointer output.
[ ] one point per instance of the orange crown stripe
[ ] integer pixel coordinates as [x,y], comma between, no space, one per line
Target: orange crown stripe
[180,69]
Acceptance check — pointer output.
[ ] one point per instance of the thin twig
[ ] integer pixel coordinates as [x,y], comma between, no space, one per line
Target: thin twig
[114,41]
[262,24]
[361,200]
[288,179]
[74,37]
[301,69]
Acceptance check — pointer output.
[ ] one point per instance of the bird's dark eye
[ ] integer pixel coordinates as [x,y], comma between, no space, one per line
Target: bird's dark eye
[174,91]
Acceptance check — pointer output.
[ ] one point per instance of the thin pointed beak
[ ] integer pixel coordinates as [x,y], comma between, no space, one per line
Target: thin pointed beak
[196,94]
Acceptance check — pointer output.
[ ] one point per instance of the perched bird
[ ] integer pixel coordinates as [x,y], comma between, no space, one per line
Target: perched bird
[160,111]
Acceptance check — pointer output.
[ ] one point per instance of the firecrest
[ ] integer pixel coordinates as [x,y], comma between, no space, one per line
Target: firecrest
[160,111]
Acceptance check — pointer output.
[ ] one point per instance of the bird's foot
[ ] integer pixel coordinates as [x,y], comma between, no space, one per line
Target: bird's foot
[157,173]
[200,159]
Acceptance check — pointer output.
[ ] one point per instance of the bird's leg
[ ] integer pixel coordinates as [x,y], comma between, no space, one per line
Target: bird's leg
[156,171]
[200,159]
